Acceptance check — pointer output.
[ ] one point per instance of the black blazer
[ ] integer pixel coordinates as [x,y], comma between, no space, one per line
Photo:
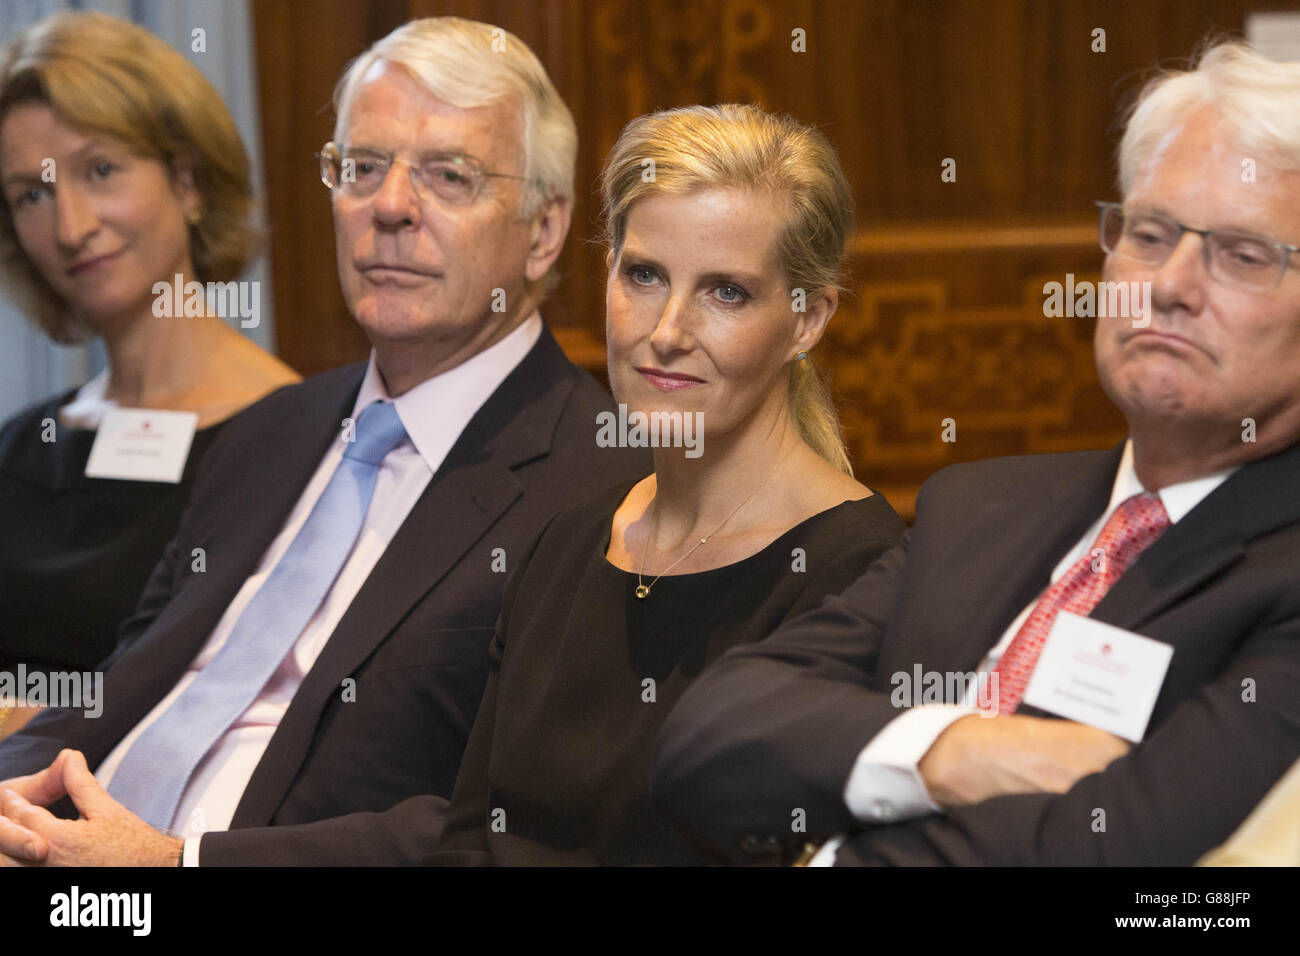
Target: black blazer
[778,725]
[362,781]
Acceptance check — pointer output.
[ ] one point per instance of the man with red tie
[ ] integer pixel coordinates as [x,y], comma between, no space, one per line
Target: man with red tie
[1149,594]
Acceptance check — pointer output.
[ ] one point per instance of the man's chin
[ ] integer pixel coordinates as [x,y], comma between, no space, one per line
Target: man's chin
[396,332]
[397,317]
[1168,398]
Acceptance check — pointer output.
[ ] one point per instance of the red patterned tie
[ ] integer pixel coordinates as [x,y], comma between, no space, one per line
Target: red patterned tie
[1131,529]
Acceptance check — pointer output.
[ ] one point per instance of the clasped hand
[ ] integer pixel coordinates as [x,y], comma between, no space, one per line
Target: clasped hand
[107,833]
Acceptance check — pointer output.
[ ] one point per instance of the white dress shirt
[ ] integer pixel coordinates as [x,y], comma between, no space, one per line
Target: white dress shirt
[434,413]
[87,408]
[885,784]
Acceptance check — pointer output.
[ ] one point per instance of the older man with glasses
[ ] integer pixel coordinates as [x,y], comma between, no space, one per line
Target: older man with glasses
[1234,258]
[302,693]
[1149,595]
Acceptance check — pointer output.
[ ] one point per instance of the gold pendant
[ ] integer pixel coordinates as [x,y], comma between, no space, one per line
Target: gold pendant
[642,591]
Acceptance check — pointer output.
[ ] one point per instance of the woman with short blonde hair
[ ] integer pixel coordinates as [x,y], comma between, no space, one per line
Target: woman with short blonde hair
[122,170]
[99,73]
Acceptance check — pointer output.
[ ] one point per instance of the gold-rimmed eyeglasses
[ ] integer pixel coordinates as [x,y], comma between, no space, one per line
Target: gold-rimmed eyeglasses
[450,177]
[1233,258]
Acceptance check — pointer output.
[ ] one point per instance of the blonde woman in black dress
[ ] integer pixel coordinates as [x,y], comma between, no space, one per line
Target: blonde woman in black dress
[726,229]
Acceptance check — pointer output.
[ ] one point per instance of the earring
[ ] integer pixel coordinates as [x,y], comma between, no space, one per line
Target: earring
[194,217]
[800,356]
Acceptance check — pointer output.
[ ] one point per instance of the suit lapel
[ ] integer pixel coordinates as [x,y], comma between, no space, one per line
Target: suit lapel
[1258,498]
[234,536]
[298,442]
[472,489]
[1017,539]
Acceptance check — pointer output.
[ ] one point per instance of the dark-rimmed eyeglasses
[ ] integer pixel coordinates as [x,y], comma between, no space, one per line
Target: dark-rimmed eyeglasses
[450,177]
[1233,258]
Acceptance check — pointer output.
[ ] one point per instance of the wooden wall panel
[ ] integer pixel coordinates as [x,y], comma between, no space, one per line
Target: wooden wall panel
[946,317]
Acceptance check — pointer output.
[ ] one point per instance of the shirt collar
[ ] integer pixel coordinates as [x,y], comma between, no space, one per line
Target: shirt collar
[1178,499]
[87,408]
[436,411]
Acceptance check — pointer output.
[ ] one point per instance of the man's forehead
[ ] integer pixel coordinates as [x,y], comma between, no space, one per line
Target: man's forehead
[1201,145]
[1199,170]
[392,109]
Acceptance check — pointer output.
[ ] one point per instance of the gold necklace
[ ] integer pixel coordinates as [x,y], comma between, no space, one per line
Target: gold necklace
[643,589]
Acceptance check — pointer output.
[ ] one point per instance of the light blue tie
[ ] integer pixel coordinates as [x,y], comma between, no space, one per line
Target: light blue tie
[155,770]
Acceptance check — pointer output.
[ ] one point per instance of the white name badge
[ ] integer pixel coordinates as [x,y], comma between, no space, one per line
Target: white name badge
[142,444]
[1099,675]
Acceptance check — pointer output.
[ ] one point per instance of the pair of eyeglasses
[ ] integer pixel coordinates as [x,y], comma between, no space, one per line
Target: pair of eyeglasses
[1233,258]
[452,178]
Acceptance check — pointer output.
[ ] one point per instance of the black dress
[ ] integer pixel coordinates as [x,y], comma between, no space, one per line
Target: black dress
[75,552]
[584,674]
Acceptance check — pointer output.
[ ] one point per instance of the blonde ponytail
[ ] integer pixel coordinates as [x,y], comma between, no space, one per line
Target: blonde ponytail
[815,414]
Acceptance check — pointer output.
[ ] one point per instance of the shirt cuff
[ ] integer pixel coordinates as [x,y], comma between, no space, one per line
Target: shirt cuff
[190,855]
[826,855]
[885,785]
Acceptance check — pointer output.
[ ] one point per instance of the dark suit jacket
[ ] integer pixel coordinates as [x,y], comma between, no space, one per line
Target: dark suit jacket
[362,781]
[778,725]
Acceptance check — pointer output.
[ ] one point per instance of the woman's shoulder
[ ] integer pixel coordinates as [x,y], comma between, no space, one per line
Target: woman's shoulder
[866,524]
[36,411]
[24,429]
[875,518]
[565,551]
[832,549]
[591,516]
[843,511]
[574,538]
